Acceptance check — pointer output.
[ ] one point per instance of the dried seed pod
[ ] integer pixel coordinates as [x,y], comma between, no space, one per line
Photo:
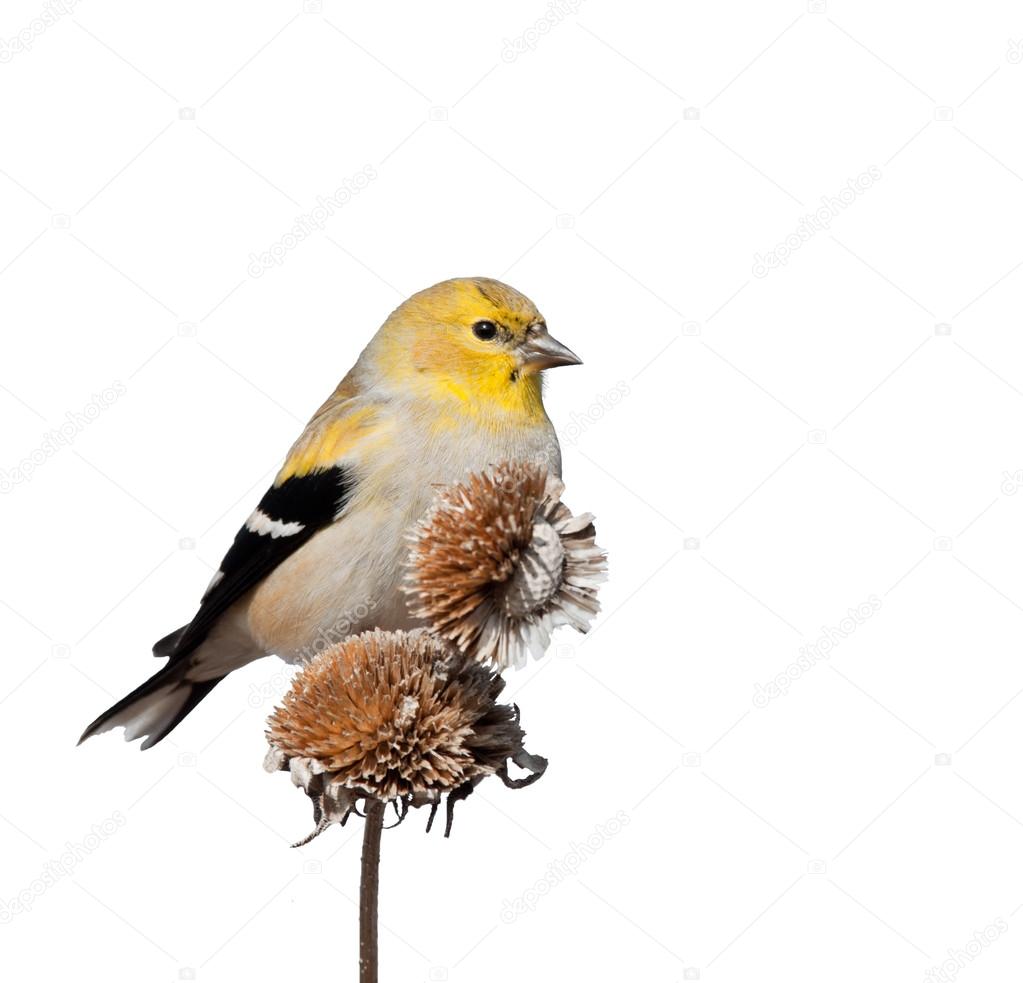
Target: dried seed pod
[394,716]
[499,563]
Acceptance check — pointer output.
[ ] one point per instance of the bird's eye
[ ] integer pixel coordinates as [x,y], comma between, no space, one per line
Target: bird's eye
[485,330]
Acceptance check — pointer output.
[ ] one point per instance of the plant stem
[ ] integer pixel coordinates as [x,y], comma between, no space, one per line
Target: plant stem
[370,891]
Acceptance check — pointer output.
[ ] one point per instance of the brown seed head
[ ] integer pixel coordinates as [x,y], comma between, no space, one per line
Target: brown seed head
[395,714]
[500,562]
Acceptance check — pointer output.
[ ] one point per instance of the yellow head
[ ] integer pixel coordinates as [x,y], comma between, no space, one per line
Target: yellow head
[474,342]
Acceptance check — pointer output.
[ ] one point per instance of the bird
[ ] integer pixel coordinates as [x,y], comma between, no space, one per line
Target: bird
[451,383]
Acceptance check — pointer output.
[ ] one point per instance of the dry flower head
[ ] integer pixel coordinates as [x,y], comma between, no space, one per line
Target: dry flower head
[500,562]
[396,716]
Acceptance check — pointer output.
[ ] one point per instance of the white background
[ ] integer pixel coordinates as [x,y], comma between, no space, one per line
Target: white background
[763,453]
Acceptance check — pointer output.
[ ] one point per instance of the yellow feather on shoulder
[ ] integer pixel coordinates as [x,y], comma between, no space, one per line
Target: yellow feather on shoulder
[339,428]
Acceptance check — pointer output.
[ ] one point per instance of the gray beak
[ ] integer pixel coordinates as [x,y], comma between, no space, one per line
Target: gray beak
[540,351]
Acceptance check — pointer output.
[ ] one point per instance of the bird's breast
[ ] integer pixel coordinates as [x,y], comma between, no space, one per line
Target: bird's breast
[347,578]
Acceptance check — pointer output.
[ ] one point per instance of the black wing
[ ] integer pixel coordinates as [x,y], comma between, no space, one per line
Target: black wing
[287,517]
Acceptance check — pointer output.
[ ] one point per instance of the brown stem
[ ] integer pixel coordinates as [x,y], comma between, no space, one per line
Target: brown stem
[370,891]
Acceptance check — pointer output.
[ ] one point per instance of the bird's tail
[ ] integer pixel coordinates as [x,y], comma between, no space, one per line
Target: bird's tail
[159,704]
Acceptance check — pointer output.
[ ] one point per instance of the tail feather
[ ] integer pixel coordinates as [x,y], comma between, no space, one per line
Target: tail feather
[155,708]
[186,696]
[159,704]
[168,644]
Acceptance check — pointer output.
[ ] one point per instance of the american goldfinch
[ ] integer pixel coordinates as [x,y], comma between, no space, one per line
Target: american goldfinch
[451,383]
